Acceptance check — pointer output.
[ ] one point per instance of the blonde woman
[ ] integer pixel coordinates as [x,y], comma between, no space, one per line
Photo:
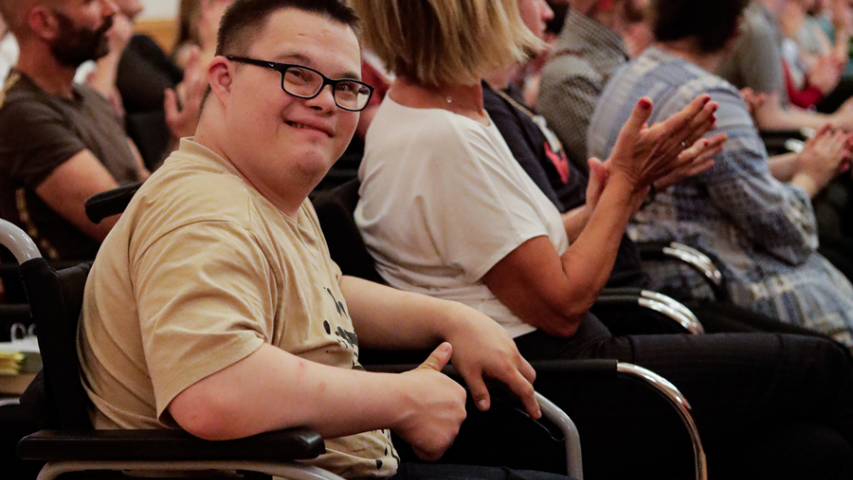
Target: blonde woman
[198,23]
[446,211]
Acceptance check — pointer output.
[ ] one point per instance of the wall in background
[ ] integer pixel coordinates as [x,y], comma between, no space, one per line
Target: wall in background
[159,9]
[158,20]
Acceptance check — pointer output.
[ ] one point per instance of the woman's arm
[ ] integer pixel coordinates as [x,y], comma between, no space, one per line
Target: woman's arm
[553,292]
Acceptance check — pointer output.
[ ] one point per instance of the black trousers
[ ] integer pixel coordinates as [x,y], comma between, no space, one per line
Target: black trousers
[418,471]
[767,405]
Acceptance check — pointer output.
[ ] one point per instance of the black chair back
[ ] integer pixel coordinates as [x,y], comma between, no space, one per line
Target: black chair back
[56,299]
[335,209]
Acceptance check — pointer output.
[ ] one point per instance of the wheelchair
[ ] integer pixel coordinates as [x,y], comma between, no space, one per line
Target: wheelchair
[69,444]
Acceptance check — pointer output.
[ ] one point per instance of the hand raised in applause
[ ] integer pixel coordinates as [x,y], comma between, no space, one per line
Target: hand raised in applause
[669,150]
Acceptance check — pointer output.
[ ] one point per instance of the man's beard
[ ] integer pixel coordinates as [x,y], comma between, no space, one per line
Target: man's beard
[76,45]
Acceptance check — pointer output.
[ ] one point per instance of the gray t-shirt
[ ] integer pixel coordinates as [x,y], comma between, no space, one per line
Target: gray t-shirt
[38,133]
[757,60]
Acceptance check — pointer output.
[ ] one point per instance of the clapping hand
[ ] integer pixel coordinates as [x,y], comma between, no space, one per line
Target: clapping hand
[667,151]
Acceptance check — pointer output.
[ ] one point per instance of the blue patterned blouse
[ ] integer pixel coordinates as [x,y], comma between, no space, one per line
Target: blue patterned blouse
[761,231]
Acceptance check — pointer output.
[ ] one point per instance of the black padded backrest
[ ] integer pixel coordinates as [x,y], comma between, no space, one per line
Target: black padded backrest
[335,210]
[150,134]
[111,202]
[56,299]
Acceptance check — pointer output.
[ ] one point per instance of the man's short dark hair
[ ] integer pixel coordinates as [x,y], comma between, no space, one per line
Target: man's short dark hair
[244,20]
[711,22]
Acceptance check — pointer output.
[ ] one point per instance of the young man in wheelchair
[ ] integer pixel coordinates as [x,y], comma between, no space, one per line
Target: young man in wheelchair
[214,307]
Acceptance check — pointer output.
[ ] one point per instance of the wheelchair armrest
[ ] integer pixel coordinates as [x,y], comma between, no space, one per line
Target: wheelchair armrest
[561,428]
[112,202]
[779,142]
[798,133]
[666,306]
[163,445]
[692,257]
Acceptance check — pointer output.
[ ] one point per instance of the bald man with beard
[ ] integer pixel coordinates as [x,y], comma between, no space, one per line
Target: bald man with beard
[60,142]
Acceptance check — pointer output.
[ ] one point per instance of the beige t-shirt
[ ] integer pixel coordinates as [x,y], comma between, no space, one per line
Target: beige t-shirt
[200,271]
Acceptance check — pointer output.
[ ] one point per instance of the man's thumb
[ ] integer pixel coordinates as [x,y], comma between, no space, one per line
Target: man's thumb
[438,358]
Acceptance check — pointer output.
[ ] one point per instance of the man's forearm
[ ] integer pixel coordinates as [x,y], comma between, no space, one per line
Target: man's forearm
[387,318]
[272,390]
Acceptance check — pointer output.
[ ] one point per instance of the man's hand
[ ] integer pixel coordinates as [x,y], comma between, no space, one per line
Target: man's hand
[437,407]
[644,154]
[119,34]
[183,104]
[483,349]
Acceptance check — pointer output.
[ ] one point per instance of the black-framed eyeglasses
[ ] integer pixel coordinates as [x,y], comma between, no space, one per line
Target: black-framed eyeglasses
[305,82]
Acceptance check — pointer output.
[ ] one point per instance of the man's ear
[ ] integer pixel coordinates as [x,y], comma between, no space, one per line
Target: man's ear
[43,23]
[220,73]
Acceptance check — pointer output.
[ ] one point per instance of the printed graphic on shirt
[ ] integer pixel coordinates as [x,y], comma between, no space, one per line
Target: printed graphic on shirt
[561,163]
[346,339]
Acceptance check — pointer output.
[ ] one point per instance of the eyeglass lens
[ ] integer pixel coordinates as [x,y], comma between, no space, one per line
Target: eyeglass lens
[306,83]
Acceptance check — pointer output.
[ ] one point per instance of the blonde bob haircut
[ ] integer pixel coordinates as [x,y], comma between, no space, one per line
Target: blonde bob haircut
[445,42]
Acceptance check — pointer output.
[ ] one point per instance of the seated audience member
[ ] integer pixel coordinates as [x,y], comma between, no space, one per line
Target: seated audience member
[761,230]
[473,227]
[59,142]
[818,47]
[589,51]
[234,319]
[811,77]
[198,23]
[539,152]
[757,64]
[834,17]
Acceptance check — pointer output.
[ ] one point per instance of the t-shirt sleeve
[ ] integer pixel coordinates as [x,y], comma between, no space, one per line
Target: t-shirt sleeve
[759,60]
[518,142]
[34,140]
[205,303]
[476,209]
